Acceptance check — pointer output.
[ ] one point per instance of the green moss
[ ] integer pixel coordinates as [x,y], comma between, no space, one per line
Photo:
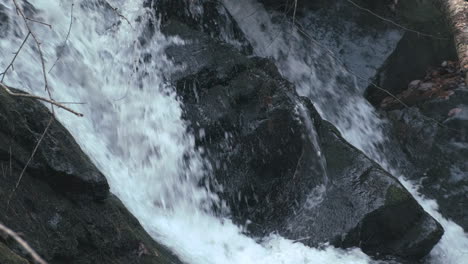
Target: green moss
[8,256]
[396,194]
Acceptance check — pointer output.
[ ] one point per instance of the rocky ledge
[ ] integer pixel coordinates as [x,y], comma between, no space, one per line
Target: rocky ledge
[430,122]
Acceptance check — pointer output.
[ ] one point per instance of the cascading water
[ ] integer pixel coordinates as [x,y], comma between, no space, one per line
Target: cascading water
[318,74]
[133,128]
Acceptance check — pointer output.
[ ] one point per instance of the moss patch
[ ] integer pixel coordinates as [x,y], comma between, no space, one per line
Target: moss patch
[10,257]
[395,195]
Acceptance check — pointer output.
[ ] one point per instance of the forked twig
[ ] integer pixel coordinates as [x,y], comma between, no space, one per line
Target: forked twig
[38,45]
[39,22]
[116,11]
[10,233]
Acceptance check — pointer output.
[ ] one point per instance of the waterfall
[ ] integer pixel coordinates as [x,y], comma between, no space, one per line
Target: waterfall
[320,75]
[132,127]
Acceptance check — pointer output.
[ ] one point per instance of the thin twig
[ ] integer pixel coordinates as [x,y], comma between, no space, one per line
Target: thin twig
[40,98]
[39,22]
[22,243]
[295,9]
[14,58]
[74,103]
[11,167]
[394,23]
[66,38]
[3,172]
[29,160]
[116,11]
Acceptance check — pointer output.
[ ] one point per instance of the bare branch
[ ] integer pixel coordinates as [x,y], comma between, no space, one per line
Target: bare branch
[14,58]
[41,99]
[38,45]
[116,11]
[22,243]
[29,160]
[456,12]
[66,38]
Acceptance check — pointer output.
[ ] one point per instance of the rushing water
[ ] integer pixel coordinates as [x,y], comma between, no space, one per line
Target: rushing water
[133,130]
[307,58]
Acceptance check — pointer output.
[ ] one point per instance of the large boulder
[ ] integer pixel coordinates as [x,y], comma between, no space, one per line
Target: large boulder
[62,206]
[57,160]
[210,17]
[281,167]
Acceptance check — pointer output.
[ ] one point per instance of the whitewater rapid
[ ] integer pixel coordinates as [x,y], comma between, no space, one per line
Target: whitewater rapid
[133,130]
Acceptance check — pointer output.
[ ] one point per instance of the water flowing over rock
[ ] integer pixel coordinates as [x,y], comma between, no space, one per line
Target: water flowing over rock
[281,167]
[62,205]
[235,132]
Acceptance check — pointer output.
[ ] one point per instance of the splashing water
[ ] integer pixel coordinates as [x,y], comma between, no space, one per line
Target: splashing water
[321,76]
[133,129]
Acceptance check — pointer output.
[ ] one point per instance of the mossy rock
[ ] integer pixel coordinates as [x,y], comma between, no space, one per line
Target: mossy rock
[9,257]
[396,194]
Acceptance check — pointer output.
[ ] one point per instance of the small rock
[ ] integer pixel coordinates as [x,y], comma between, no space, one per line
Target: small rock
[414,84]
[425,86]
[454,111]
[142,250]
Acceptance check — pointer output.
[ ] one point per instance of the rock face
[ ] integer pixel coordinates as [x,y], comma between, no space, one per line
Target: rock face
[282,168]
[208,16]
[415,52]
[62,206]
[432,133]
[57,160]
[303,8]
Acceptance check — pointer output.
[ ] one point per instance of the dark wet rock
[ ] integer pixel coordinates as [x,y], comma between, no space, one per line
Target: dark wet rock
[408,62]
[415,52]
[282,168]
[377,213]
[4,21]
[62,206]
[59,160]
[433,135]
[208,16]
